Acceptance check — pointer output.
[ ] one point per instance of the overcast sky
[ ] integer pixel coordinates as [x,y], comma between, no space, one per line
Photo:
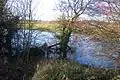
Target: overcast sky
[45,9]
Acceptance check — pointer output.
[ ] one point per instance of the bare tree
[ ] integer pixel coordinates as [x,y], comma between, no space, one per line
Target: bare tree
[71,10]
[109,28]
[23,38]
[110,11]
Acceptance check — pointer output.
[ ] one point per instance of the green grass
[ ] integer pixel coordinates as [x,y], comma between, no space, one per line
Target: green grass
[52,27]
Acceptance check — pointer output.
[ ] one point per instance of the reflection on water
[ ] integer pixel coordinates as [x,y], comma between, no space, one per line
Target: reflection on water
[86,51]
[44,37]
[89,52]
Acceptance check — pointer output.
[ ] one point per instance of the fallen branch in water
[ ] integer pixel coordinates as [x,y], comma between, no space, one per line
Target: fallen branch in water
[53,45]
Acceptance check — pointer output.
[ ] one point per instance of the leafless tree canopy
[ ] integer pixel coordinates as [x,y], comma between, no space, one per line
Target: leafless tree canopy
[74,8]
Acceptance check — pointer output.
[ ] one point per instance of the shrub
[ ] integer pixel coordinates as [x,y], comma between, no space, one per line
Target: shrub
[66,70]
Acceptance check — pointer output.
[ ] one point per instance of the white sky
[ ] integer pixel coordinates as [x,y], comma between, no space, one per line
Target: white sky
[44,9]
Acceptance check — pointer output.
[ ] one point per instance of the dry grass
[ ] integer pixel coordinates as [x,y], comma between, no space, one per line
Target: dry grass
[66,70]
[103,30]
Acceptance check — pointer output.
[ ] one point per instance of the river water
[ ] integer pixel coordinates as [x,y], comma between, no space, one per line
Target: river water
[86,51]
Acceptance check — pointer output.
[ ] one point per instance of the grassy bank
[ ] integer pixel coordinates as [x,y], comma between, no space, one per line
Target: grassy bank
[103,30]
[66,70]
[44,26]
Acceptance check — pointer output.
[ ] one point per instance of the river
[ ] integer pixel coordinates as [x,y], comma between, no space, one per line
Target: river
[86,51]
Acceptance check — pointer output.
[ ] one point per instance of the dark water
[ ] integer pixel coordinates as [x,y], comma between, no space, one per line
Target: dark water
[86,51]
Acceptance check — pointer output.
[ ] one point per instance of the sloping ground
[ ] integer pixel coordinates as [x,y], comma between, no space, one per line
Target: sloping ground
[97,29]
[66,70]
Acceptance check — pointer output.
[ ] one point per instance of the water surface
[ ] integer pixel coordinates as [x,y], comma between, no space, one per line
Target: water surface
[86,51]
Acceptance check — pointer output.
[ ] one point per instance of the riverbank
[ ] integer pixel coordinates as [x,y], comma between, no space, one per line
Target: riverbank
[67,70]
[99,30]
[37,69]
